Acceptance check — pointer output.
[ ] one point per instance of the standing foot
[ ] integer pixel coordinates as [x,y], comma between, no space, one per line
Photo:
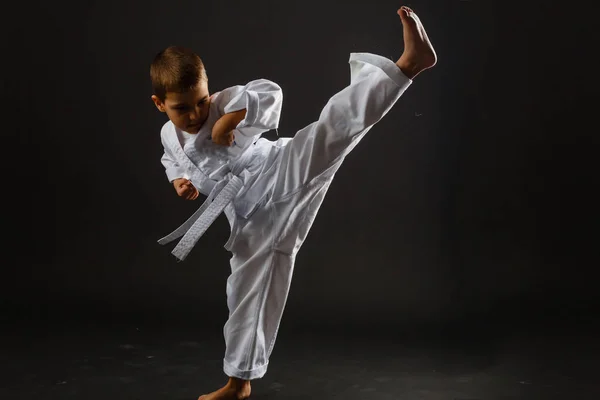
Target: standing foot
[418,54]
[235,389]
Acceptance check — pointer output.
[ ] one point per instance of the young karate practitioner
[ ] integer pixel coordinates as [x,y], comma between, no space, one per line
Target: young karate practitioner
[269,191]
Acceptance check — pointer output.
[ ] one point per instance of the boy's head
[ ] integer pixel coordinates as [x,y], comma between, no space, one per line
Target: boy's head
[180,87]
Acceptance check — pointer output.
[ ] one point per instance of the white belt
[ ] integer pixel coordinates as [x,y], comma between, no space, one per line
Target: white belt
[192,229]
[223,193]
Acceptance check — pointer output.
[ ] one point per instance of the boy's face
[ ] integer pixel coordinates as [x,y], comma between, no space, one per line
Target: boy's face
[187,110]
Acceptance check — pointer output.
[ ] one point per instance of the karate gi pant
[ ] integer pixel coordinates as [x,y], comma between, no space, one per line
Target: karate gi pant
[295,177]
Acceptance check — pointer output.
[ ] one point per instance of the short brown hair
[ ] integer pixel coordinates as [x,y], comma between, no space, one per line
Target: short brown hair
[176,69]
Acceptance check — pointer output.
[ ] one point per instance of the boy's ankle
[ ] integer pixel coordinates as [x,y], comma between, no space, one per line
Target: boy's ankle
[410,69]
[238,384]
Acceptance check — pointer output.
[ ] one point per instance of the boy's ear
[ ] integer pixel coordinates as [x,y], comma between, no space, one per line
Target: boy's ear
[159,104]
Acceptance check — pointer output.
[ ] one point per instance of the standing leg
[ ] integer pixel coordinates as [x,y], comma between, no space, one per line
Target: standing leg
[266,246]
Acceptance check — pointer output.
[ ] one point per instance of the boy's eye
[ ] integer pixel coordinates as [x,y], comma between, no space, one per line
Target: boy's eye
[184,108]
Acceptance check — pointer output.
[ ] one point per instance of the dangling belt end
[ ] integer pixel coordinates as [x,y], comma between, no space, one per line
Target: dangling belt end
[198,223]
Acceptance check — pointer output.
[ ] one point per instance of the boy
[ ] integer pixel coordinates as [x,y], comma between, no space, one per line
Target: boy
[269,191]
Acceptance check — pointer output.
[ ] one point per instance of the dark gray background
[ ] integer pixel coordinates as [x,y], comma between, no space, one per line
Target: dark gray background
[475,197]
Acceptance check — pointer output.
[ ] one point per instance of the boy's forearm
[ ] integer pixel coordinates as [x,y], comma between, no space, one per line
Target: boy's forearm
[234,118]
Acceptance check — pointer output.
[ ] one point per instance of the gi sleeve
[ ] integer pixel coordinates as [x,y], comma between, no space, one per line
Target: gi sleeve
[262,100]
[172,167]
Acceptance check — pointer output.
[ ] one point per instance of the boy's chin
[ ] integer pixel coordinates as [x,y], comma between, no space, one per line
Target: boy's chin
[192,129]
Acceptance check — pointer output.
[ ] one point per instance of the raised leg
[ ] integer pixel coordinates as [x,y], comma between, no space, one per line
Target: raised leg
[376,85]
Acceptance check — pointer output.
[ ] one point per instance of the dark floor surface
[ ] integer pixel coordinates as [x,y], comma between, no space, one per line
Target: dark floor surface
[104,361]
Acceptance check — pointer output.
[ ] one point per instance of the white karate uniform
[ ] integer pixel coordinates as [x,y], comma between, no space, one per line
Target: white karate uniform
[271,192]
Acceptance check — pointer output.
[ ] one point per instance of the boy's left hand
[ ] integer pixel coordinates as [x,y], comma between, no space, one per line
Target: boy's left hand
[221,134]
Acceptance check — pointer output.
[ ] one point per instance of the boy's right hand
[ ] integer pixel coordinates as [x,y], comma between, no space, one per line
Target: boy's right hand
[185,189]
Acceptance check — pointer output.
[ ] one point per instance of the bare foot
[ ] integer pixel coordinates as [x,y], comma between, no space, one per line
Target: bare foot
[418,54]
[235,389]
